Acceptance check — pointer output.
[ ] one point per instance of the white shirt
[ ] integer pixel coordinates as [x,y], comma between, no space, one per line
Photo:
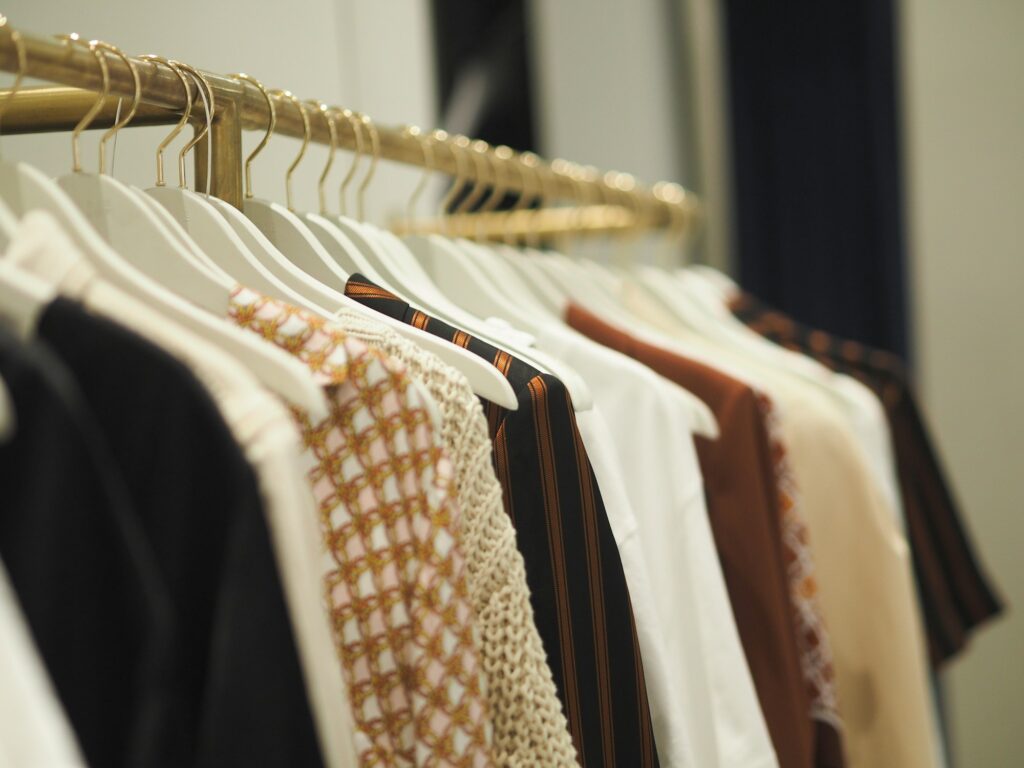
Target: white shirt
[704,705]
[33,728]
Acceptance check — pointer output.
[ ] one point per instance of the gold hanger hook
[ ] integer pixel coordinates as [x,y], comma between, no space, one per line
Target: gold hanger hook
[357,131]
[271,125]
[542,175]
[526,196]
[19,50]
[374,157]
[209,108]
[72,39]
[673,196]
[426,142]
[305,142]
[496,158]
[493,158]
[456,145]
[477,151]
[181,123]
[136,98]
[626,185]
[325,111]
[563,168]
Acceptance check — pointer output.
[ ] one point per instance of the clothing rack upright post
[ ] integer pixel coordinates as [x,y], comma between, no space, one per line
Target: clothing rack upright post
[239,105]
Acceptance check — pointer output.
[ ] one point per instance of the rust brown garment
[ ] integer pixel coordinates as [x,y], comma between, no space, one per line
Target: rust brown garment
[742,502]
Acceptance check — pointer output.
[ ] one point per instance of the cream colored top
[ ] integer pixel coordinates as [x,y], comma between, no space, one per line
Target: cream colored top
[530,728]
[863,562]
[267,435]
[33,728]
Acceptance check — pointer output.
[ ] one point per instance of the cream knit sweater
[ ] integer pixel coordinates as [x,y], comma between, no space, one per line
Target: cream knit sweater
[530,728]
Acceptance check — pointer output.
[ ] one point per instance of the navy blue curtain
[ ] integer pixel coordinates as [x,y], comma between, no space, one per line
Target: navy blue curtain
[816,163]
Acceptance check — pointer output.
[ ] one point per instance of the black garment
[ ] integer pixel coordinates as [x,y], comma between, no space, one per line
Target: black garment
[233,686]
[577,586]
[956,595]
[78,560]
[816,163]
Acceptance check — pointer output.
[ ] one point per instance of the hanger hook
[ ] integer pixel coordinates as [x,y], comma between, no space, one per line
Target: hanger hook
[209,108]
[456,145]
[325,112]
[160,182]
[19,49]
[374,157]
[496,158]
[305,142]
[271,125]
[357,131]
[136,97]
[426,142]
[72,39]
[673,196]
[492,158]
[476,151]
[526,196]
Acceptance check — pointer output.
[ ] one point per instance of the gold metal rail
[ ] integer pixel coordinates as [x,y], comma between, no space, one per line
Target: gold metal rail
[240,105]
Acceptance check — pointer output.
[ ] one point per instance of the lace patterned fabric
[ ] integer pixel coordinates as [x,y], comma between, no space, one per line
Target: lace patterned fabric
[815,650]
[394,573]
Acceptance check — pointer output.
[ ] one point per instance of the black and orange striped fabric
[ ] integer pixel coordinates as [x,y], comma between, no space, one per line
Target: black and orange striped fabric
[956,595]
[577,585]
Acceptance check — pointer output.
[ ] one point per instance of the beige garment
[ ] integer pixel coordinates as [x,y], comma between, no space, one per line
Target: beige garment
[863,562]
[33,727]
[530,728]
[266,433]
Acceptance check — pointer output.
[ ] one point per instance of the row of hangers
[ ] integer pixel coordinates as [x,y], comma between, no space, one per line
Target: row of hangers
[184,252]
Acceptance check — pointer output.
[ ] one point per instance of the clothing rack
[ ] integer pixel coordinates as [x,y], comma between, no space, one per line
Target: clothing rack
[239,105]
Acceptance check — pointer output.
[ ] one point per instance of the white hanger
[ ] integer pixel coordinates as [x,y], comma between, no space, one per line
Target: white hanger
[128,224]
[205,224]
[448,262]
[723,284]
[386,260]
[350,241]
[517,261]
[25,189]
[8,224]
[23,298]
[294,239]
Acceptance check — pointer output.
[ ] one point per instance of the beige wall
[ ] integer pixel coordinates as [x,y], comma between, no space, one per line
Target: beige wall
[964,96]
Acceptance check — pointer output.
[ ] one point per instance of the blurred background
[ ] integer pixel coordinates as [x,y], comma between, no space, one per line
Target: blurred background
[860,166]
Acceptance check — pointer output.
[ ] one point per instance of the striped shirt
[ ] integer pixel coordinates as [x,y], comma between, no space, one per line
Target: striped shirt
[955,594]
[578,588]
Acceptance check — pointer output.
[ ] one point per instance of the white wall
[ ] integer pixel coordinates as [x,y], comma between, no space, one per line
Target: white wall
[370,56]
[615,87]
[964,132]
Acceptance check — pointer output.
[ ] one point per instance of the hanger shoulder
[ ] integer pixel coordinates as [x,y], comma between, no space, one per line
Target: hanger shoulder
[345,252]
[295,240]
[137,234]
[270,257]
[179,233]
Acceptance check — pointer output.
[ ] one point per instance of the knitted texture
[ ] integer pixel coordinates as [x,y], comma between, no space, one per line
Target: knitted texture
[530,728]
[394,573]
